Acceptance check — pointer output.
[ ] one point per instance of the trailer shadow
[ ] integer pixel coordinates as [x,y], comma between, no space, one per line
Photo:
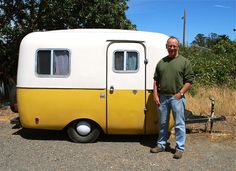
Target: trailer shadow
[48,135]
[146,140]
[36,134]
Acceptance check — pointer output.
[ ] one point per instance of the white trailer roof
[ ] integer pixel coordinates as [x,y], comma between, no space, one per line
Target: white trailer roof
[87,48]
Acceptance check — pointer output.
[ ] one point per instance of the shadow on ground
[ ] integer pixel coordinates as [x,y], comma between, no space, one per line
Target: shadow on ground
[49,135]
[35,134]
[32,134]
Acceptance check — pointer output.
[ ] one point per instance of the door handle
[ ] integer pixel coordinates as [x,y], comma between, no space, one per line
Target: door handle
[111,89]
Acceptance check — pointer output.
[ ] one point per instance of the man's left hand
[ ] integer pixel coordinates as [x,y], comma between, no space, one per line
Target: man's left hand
[178,96]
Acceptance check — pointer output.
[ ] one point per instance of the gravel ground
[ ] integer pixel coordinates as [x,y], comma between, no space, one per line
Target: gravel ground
[23,149]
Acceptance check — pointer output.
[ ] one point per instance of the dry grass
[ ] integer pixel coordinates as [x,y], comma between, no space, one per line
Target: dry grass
[225,101]
[6,115]
[225,104]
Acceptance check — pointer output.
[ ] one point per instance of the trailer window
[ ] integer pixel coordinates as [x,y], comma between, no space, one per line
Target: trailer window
[119,61]
[60,62]
[53,62]
[126,61]
[43,62]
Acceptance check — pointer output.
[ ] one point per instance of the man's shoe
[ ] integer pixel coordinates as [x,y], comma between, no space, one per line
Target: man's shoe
[178,154]
[156,149]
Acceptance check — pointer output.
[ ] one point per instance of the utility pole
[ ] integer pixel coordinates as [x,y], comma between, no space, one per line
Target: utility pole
[184,27]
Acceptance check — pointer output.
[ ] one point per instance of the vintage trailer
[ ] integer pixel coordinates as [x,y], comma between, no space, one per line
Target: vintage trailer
[89,81]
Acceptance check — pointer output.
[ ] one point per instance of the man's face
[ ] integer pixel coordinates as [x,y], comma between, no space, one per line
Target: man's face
[172,47]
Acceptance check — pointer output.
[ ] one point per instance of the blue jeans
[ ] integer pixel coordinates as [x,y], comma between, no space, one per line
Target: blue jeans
[168,103]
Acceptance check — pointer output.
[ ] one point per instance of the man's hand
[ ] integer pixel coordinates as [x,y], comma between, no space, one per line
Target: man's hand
[178,95]
[156,99]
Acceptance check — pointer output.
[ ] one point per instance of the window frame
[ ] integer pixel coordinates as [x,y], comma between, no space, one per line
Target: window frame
[52,75]
[125,58]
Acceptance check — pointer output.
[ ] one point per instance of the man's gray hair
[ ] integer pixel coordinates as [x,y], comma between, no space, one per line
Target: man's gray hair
[173,37]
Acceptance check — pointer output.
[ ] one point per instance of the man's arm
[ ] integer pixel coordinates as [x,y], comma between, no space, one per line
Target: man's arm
[183,90]
[155,93]
[188,79]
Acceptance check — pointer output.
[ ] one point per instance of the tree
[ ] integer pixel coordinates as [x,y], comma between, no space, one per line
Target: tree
[200,40]
[210,41]
[19,18]
[213,59]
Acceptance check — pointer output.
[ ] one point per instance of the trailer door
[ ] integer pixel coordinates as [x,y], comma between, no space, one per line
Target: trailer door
[125,88]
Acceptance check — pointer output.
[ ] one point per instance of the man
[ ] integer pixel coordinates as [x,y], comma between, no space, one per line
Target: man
[172,79]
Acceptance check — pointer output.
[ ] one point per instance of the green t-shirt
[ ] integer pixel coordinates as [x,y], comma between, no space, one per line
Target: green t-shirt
[172,73]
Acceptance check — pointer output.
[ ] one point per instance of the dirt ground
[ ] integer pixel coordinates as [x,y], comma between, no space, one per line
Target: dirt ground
[6,114]
[25,149]
[222,130]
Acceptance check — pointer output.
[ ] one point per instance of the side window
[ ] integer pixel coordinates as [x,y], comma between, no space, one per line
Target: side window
[125,61]
[43,62]
[60,62]
[53,62]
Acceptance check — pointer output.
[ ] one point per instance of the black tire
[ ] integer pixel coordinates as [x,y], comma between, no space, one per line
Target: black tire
[76,137]
[12,98]
[12,95]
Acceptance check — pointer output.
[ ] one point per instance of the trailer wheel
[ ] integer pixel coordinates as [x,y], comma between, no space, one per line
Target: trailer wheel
[83,132]
[12,98]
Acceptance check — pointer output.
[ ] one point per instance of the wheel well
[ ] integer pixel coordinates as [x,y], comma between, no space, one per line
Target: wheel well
[83,119]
